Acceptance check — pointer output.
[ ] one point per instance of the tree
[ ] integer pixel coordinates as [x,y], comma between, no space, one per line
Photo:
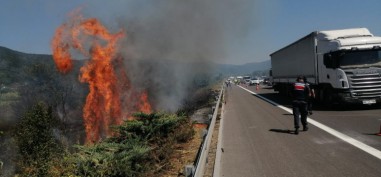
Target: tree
[35,141]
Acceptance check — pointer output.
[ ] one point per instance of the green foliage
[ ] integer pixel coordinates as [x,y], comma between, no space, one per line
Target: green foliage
[137,149]
[10,61]
[150,127]
[9,96]
[110,159]
[40,72]
[35,140]
[6,102]
[5,77]
[10,58]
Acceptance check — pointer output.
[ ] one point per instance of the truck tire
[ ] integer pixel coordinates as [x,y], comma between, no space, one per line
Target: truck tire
[328,99]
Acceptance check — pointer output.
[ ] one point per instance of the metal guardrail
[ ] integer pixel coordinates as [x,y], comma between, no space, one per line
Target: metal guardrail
[202,155]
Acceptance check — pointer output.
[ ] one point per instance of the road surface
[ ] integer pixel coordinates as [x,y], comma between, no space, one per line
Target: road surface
[258,140]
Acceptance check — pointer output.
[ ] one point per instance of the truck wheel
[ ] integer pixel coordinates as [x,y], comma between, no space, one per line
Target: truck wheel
[328,97]
[320,96]
[281,89]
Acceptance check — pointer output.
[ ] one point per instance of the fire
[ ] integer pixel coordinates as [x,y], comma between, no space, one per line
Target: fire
[61,53]
[103,103]
[144,105]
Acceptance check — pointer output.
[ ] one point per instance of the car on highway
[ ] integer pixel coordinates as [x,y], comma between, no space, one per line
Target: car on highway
[255,81]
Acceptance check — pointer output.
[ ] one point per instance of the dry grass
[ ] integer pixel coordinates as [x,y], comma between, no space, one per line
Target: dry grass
[184,154]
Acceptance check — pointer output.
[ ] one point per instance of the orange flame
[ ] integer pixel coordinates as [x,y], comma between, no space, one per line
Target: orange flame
[61,53]
[144,105]
[103,103]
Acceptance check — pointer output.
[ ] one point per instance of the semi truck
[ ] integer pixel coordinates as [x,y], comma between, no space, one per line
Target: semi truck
[343,66]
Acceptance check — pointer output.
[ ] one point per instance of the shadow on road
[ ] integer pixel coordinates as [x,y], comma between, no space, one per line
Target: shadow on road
[373,134]
[282,131]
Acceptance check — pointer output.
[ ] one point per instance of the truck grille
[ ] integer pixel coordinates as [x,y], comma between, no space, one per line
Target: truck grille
[364,85]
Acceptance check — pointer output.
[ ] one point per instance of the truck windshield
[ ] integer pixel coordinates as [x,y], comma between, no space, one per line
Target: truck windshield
[360,59]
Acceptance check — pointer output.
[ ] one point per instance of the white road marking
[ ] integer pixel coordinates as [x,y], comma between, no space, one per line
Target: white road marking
[372,151]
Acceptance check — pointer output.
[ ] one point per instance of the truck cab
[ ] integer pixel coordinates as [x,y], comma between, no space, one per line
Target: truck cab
[343,66]
[349,66]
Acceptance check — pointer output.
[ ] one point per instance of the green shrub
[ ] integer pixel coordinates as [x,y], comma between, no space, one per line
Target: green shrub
[6,99]
[110,159]
[10,96]
[36,143]
[138,148]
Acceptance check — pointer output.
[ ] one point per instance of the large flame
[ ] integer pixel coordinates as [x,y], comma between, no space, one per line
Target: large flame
[103,103]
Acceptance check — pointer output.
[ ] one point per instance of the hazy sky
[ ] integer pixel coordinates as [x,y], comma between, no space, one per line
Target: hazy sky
[240,31]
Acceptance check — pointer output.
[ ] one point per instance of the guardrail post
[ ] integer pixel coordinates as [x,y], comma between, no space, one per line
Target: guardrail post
[189,171]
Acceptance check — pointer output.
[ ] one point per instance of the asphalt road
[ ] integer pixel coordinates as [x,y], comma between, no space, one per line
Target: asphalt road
[258,139]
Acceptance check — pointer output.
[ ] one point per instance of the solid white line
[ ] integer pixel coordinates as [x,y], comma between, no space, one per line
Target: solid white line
[373,151]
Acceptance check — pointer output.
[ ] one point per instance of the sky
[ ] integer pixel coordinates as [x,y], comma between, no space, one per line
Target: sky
[225,31]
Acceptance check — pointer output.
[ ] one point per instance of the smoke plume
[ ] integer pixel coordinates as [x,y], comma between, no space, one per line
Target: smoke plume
[169,43]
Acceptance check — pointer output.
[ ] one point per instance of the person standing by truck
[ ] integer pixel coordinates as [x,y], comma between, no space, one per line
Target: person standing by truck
[311,97]
[301,91]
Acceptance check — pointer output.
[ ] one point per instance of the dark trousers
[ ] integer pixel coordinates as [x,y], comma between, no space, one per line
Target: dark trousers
[299,109]
[309,104]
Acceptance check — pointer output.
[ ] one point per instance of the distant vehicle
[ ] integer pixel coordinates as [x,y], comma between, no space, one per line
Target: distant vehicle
[239,79]
[246,79]
[255,81]
[266,81]
[343,66]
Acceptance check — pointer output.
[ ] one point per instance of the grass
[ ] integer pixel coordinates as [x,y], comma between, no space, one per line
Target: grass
[6,99]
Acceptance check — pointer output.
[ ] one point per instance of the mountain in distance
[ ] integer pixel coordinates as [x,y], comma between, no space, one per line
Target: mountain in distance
[16,67]
[244,69]
[13,63]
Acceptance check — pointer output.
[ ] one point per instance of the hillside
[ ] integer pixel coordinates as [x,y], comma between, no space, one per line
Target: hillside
[13,65]
[27,78]
[243,69]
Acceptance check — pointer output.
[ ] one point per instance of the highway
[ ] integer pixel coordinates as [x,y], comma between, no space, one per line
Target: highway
[258,139]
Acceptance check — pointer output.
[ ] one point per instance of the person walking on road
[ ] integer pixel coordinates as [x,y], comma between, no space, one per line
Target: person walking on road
[301,92]
[311,97]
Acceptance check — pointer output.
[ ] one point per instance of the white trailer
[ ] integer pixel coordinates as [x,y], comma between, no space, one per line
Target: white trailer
[342,65]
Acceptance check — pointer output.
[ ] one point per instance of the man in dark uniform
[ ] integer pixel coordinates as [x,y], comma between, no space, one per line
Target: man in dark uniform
[311,97]
[301,92]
